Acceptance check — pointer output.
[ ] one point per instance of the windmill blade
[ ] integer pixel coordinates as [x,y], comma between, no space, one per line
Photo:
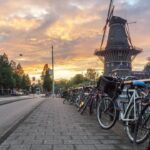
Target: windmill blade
[103,37]
[109,10]
[109,15]
[128,34]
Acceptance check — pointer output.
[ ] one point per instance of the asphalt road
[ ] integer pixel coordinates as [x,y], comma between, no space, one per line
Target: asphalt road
[14,97]
[12,112]
[11,99]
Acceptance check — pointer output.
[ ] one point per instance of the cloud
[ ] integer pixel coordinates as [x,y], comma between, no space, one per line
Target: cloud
[74,27]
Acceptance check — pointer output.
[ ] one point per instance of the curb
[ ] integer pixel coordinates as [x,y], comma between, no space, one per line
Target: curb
[11,129]
[12,101]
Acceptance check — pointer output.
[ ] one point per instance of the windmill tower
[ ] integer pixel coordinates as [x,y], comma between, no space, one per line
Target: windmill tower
[119,52]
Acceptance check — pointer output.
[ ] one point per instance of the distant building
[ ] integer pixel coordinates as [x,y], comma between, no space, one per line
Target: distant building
[147,69]
[139,74]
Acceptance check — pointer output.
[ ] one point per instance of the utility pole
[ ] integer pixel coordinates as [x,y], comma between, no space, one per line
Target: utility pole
[53,84]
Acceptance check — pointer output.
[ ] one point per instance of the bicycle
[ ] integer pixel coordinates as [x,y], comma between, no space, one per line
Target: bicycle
[91,101]
[108,111]
[84,99]
[143,124]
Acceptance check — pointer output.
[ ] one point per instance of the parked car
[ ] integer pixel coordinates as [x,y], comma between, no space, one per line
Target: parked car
[17,93]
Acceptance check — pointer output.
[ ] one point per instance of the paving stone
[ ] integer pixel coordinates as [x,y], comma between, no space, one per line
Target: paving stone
[126,147]
[4,147]
[98,137]
[53,142]
[85,147]
[19,147]
[29,141]
[13,142]
[73,141]
[94,141]
[63,147]
[110,141]
[55,137]
[41,147]
[105,147]
[80,137]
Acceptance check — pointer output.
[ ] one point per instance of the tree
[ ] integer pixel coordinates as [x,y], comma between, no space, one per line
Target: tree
[13,66]
[26,83]
[19,70]
[77,79]
[7,78]
[91,74]
[62,84]
[6,74]
[47,80]
[12,76]
[18,81]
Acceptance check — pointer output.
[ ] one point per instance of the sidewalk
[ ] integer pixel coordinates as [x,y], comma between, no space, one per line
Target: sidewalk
[57,126]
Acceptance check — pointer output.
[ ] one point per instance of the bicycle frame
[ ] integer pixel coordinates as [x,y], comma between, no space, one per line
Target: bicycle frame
[133,98]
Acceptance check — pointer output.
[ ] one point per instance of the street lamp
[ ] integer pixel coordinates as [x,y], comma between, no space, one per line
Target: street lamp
[53,84]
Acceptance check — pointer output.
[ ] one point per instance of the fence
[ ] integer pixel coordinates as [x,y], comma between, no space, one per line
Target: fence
[5,92]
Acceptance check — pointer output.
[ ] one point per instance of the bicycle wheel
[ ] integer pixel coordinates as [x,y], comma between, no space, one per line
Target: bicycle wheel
[64,100]
[81,104]
[91,109]
[143,124]
[131,125]
[107,113]
[84,106]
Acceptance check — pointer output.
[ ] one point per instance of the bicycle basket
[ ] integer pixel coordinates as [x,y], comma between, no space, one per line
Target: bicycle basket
[107,85]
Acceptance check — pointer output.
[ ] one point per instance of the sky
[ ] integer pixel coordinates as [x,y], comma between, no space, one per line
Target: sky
[74,27]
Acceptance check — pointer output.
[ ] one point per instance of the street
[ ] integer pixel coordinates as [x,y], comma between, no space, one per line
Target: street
[9,99]
[12,112]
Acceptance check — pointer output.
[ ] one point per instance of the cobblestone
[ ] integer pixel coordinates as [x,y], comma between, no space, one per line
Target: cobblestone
[55,126]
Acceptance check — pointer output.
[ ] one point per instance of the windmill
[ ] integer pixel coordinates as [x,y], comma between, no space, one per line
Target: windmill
[119,51]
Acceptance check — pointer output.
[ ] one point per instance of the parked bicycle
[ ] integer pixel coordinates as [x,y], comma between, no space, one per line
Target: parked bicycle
[143,124]
[90,101]
[109,110]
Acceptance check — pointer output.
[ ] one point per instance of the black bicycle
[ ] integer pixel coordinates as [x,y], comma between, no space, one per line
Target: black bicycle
[143,125]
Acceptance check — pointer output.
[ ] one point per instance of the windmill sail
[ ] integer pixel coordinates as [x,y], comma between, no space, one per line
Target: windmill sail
[109,15]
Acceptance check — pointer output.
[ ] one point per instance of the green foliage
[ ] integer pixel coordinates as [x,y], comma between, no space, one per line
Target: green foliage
[47,79]
[12,76]
[25,84]
[91,74]
[77,79]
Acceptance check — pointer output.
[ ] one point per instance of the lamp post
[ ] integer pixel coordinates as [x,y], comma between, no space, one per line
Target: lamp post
[53,83]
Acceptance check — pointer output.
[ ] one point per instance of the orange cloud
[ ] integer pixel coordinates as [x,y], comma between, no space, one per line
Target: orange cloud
[67,68]
[19,23]
[71,27]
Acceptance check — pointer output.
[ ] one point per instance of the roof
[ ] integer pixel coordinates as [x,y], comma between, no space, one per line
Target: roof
[116,19]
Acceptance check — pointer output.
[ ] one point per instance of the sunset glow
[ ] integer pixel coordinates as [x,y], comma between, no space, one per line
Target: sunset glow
[74,27]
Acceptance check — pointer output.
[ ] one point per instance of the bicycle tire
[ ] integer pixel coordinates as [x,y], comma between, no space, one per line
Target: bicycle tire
[81,105]
[131,125]
[84,107]
[111,108]
[142,121]
[91,107]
